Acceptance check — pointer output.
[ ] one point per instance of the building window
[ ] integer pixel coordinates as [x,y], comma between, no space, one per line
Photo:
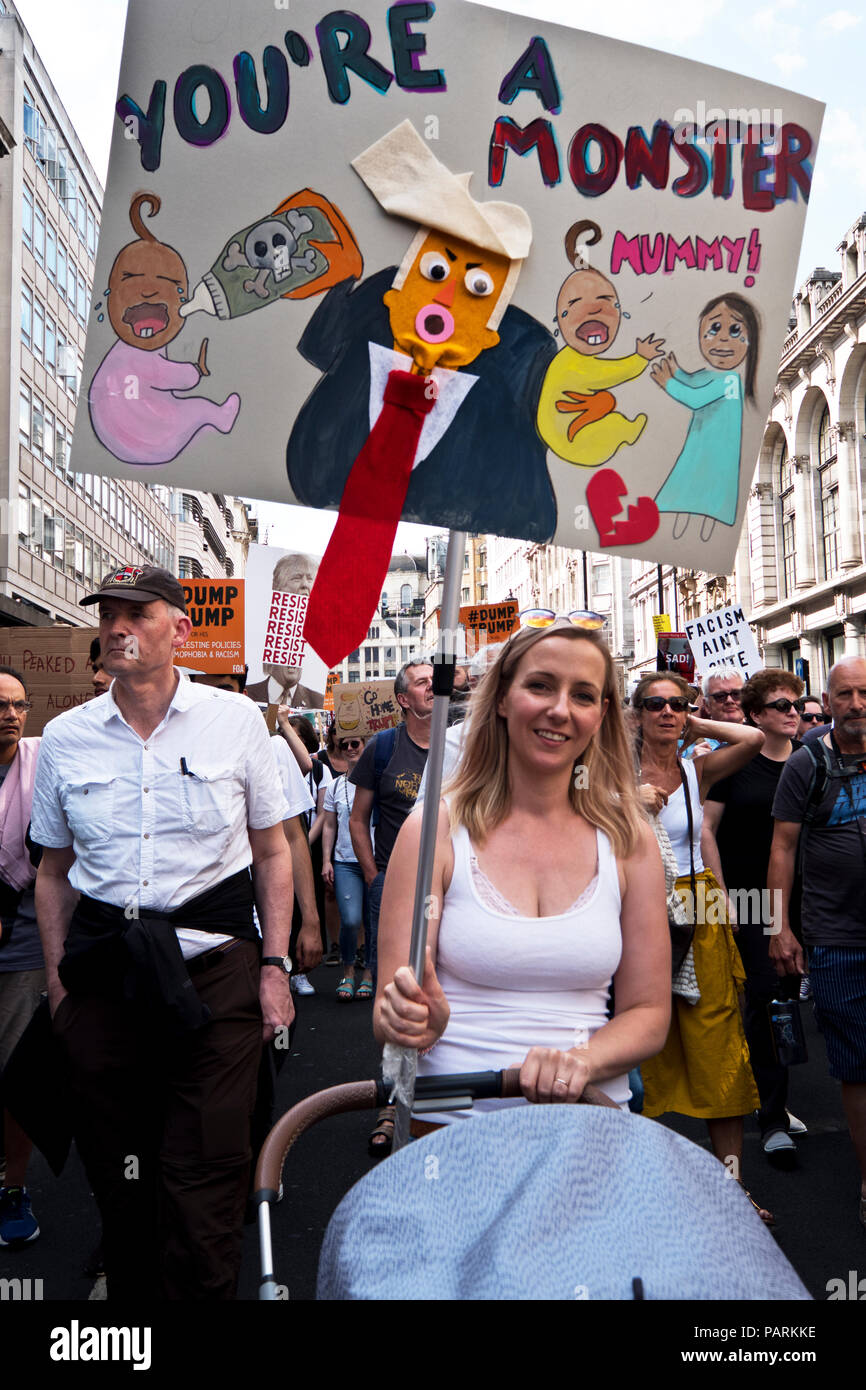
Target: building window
[370,655]
[465,595]
[24,415]
[26,317]
[39,236]
[61,269]
[91,234]
[830,520]
[51,254]
[23,514]
[826,444]
[355,657]
[601,579]
[51,345]
[27,217]
[788,549]
[405,595]
[31,122]
[38,435]
[38,330]
[354,676]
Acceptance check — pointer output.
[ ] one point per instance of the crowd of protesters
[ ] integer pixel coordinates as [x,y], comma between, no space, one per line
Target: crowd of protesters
[621,891]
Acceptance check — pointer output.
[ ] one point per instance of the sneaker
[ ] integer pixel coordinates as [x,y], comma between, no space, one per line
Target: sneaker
[780,1149]
[17,1223]
[805,988]
[795,1126]
[301,985]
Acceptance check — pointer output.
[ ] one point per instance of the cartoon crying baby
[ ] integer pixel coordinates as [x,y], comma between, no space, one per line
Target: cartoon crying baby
[135,408]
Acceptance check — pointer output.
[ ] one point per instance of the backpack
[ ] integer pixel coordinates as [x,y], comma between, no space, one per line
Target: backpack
[383,750]
[825,769]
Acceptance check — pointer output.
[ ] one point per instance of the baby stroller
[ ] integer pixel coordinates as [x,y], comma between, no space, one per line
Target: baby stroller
[530,1202]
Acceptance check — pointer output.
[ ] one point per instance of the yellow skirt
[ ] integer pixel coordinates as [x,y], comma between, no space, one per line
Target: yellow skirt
[703,1069]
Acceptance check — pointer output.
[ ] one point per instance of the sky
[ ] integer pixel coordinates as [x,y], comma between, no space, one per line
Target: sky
[788,42]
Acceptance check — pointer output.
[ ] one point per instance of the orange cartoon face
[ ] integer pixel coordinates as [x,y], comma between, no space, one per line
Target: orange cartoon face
[147,285]
[440,313]
[588,312]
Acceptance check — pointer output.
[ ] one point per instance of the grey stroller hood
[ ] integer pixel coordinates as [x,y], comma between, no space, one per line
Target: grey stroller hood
[551,1202]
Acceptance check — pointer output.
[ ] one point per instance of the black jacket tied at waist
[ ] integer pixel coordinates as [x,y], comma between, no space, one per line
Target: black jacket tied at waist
[112,948]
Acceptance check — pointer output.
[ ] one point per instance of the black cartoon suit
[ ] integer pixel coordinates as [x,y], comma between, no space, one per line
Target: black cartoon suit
[487,472]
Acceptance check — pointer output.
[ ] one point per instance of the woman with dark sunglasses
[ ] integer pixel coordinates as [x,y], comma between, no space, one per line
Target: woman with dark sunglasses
[738,825]
[703,1069]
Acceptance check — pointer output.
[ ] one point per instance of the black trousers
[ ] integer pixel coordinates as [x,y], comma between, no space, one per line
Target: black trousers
[162,1123]
[762,986]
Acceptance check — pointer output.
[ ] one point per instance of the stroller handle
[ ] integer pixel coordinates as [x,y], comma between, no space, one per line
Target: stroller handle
[368,1095]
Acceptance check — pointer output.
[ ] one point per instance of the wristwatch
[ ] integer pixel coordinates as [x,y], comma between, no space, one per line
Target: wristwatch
[284,962]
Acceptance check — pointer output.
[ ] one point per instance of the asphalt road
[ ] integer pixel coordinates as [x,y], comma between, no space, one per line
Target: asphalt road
[815,1205]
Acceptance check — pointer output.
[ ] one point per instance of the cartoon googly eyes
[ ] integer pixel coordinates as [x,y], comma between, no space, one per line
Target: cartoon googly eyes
[478,282]
[434,267]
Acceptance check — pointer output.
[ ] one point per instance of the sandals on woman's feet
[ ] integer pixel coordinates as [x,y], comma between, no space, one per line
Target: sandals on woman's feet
[766,1216]
[382,1137]
[346,988]
[364,990]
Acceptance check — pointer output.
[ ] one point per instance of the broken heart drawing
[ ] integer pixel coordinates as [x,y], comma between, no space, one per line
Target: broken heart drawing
[604,493]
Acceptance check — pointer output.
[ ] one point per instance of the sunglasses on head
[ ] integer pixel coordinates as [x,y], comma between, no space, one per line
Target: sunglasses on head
[782,705]
[721,695]
[546,617]
[348,745]
[656,703]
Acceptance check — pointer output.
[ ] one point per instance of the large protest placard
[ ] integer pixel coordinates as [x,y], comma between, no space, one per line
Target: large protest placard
[216,608]
[364,708]
[55,664]
[286,182]
[723,639]
[282,668]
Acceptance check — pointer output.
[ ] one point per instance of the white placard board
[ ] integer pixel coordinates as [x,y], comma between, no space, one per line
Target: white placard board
[721,640]
[243,118]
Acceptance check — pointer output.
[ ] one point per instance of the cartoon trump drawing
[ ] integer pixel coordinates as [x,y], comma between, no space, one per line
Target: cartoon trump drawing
[426,409]
[135,408]
[577,415]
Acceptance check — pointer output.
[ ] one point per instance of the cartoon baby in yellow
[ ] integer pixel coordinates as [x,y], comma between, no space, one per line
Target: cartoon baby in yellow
[577,415]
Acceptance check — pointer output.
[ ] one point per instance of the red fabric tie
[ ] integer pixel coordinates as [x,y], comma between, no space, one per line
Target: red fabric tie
[349,582]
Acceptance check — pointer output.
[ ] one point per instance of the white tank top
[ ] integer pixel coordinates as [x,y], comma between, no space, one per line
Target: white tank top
[675,820]
[516,982]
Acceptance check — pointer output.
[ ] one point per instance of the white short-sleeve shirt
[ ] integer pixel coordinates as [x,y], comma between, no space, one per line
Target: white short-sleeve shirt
[157,822]
[292,779]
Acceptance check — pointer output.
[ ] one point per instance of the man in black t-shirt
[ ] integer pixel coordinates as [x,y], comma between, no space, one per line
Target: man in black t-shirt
[394,790]
[834,889]
[738,819]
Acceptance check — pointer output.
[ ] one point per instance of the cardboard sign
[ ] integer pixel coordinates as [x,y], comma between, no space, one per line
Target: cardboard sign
[216,644]
[364,708]
[661,623]
[675,654]
[55,664]
[332,681]
[283,669]
[651,205]
[488,622]
[724,639]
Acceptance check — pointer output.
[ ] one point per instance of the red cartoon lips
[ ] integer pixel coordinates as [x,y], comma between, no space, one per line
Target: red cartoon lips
[603,497]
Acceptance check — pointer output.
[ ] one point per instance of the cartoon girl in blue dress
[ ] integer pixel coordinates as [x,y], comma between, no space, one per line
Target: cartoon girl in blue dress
[705,480]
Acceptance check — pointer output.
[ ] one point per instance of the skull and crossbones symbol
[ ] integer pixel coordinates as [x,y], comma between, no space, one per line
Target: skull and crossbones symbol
[270,248]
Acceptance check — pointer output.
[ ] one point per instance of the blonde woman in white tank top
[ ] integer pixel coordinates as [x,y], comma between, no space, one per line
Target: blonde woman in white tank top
[547,884]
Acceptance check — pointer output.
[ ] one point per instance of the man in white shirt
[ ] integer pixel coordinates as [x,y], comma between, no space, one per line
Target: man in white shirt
[160,805]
